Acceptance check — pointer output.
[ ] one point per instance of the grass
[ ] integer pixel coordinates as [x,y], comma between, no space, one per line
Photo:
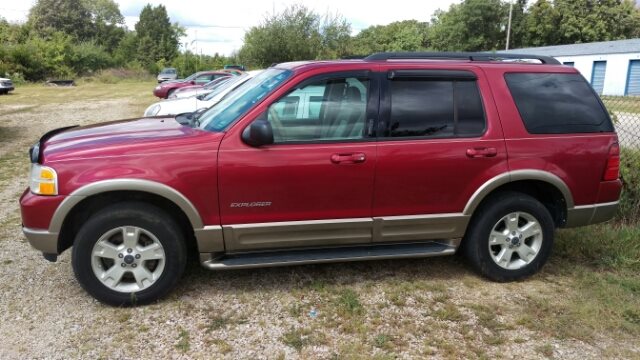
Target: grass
[183,344]
[629,104]
[29,97]
[349,303]
[297,338]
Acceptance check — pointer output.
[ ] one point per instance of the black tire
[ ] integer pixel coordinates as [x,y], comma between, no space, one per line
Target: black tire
[475,245]
[146,217]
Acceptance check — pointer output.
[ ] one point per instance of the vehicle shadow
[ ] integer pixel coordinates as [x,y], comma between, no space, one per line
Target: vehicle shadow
[300,277]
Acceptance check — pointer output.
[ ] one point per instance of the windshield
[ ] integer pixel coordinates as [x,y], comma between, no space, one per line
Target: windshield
[227,85]
[191,77]
[168,71]
[229,109]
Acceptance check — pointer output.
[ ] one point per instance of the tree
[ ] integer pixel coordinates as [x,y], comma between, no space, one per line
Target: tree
[157,38]
[67,16]
[297,33]
[541,24]
[596,20]
[473,25]
[407,35]
[109,23]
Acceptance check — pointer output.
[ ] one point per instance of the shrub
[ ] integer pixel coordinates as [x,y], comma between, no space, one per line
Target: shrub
[629,210]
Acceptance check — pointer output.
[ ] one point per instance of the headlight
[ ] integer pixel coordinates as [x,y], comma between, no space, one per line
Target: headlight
[43,181]
[152,111]
[158,87]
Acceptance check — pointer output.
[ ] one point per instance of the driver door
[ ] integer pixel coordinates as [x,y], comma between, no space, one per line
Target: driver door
[314,185]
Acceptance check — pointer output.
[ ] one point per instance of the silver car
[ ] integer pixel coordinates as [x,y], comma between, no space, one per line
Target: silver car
[167,74]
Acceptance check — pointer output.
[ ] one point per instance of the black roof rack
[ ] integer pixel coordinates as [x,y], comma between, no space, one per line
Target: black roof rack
[472,56]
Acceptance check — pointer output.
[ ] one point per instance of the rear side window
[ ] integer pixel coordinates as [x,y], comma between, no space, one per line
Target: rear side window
[422,107]
[557,103]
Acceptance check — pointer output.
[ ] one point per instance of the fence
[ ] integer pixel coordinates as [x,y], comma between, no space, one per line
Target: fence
[625,113]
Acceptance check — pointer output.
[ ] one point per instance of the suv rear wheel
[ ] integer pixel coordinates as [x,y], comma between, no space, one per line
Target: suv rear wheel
[129,253]
[510,238]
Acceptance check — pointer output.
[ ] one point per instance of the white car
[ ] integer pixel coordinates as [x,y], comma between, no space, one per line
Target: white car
[5,86]
[200,91]
[192,104]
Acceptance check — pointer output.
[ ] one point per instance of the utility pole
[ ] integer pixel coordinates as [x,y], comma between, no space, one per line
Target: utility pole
[509,25]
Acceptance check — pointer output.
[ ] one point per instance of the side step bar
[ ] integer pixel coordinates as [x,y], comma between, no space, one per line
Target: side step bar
[326,255]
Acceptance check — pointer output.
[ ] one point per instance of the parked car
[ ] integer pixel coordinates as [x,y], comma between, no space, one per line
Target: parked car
[195,90]
[6,85]
[165,89]
[167,74]
[397,159]
[195,103]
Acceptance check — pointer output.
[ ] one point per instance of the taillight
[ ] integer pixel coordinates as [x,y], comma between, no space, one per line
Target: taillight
[612,171]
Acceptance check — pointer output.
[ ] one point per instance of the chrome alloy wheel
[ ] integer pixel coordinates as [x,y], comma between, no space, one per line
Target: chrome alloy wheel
[515,240]
[127,259]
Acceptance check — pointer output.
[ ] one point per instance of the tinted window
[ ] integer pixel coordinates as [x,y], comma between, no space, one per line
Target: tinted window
[557,103]
[435,108]
[332,109]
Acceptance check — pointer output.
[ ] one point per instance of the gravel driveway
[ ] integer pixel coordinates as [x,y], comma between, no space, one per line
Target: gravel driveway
[384,309]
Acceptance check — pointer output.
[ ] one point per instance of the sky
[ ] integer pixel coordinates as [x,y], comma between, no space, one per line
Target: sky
[216,26]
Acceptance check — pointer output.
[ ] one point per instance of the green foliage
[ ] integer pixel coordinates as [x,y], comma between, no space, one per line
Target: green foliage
[606,246]
[629,210]
[541,25]
[473,25]
[407,35]
[156,38]
[67,16]
[295,34]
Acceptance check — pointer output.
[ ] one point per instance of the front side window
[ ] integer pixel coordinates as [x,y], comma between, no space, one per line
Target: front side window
[326,110]
[433,108]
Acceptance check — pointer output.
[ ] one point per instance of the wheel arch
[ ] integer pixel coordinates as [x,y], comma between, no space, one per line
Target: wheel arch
[80,204]
[546,187]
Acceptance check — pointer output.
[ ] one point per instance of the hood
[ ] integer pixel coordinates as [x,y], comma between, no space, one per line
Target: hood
[176,106]
[126,137]
[5,79]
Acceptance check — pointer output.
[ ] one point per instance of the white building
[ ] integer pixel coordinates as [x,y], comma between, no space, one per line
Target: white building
[612,67]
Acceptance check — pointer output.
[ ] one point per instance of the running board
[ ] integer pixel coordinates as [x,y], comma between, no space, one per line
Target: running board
[327,255]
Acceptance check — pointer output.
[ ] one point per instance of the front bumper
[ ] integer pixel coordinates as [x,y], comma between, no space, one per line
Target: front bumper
[10,88]
[42,240]
[37,212]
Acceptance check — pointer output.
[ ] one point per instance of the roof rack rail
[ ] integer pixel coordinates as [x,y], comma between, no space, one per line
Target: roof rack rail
[472,56]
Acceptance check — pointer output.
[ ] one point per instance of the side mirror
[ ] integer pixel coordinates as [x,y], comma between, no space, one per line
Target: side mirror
[257,134]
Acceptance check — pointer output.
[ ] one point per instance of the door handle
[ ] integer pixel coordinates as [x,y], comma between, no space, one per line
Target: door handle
[351,158]
[482,152]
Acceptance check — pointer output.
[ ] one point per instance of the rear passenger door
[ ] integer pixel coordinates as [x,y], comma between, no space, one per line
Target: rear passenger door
[439,140]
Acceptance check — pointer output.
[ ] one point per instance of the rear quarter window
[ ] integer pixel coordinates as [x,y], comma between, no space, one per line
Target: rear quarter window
[552,103]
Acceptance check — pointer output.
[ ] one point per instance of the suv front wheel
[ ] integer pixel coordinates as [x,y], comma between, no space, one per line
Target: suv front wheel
[129,253]
[510,238]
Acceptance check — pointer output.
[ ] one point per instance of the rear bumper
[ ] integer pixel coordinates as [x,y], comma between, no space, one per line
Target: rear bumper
[591,214]
[42,240]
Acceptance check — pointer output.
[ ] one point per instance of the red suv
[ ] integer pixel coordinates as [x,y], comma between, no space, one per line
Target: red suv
[398,155]
[165,89]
